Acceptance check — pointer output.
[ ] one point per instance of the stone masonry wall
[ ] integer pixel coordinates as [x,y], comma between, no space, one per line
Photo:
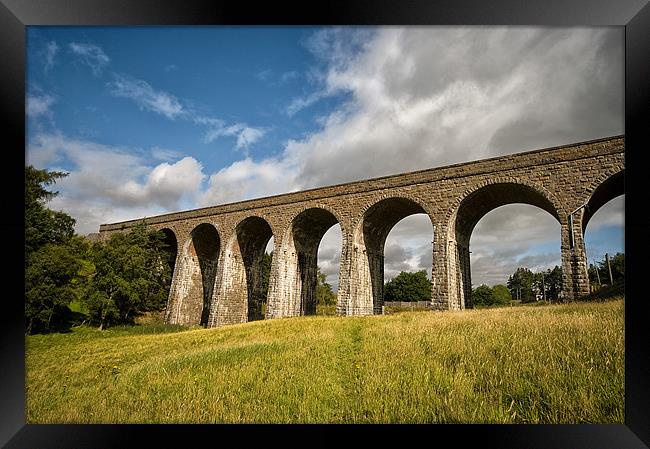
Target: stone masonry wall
[559,180]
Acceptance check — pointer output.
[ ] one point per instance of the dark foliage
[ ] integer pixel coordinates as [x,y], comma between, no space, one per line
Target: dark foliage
[408,287]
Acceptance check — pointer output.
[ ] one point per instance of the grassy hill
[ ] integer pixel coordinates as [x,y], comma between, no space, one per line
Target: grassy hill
[550,364]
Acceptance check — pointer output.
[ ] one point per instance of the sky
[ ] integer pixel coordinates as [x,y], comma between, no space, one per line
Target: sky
[150,120]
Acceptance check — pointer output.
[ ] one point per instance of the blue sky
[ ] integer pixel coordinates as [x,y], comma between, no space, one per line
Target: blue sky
[149,120]
[247,76]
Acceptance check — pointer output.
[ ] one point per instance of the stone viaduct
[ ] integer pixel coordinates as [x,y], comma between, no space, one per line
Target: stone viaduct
[217,270]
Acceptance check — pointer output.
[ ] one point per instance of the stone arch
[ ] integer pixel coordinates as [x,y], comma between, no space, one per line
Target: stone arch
[171,243]
[171,248]
[200,255]
[607,187]
[299,253]
[368,239]
[468,210]
[243,274]
[512,190]
[426,207]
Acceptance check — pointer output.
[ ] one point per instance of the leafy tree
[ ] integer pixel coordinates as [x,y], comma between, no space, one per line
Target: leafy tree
[520,285]
[51,254]
[324,293]
[617,264]
[501,294]
[48,285]
[482,295]
[553,281]
[408,287]
[131,276]
[43,225]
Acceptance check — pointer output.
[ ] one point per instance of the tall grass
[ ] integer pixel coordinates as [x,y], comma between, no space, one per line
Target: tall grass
[554,364]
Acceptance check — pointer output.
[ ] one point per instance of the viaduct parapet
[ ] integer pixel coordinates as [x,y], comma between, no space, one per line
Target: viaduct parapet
[218,265]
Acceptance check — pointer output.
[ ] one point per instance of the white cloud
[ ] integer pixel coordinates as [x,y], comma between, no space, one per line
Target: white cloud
[246,135]
[166,104]
[165,154]
[109,183]
[300,103]
[610,214]
[145,96]
[247,179]
[289,76]
[425,97]
[50,53]
[39,105]
[91,55]
[416,98]
[512,236]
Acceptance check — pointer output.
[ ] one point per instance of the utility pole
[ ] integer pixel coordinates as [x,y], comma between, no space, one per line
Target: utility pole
[609,267]
[597,274]
[543,288]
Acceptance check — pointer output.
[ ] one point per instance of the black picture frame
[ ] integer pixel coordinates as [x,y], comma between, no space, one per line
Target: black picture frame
[15,15]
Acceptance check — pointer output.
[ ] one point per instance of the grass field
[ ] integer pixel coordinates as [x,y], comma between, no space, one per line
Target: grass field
[527,364]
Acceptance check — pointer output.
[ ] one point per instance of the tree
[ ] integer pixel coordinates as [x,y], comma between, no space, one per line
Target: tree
[601,271]
[131,276]
[43,225]
[51,254]
[520,285]
[553,282]
[482,295]
[501,294]
[408,287]
[48,286]
[324,293]
[617,264]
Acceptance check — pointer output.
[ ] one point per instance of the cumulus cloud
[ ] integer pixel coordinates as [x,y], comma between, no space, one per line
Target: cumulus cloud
[412,98]
[248,179]
[109,183]
[92,55]
[423,97]
[145,96]
[517,235]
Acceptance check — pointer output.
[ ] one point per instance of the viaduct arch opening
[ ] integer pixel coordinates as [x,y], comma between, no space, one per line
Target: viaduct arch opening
[245,274]
[408,248]
[518,236]
[171,251]
[470,211]
[300,254]
[608,190]
[201,255]
[369,243]
[329,265]
[606,234]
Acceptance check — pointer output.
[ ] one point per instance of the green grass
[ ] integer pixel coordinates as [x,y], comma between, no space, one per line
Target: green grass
[552,364]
